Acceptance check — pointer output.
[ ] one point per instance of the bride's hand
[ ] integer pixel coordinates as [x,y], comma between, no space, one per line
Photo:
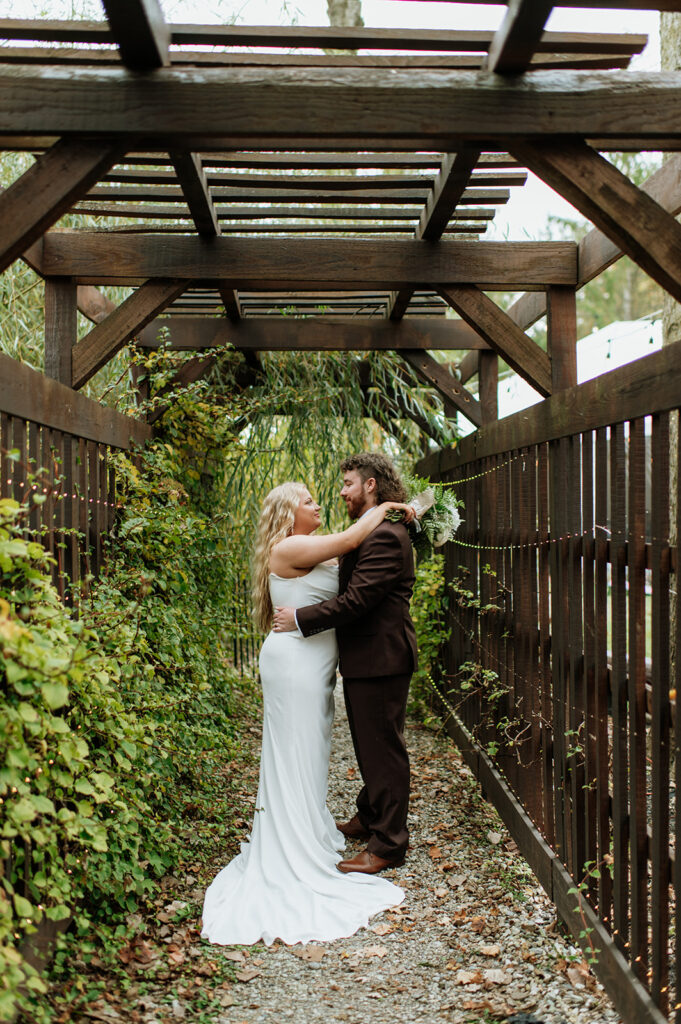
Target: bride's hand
[284,620]
[399,506]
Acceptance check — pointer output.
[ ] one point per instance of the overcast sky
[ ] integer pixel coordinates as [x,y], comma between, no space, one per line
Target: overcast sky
[527,212]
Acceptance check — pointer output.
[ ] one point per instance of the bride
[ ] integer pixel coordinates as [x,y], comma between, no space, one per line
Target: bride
[284,884]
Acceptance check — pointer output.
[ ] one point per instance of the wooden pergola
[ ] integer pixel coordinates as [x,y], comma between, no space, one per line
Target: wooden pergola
[241,182]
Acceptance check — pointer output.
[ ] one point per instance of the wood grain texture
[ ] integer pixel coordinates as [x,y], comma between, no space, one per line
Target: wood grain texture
[61,328]
[326,37]
[596,252]
[501,334]
[38,198]
[196,191]
[30,395]
[518,36]
[224,108]
[139,28]
[625,213]
[453,393]
[109,336]
[561,336]
[312,333]
[92,257]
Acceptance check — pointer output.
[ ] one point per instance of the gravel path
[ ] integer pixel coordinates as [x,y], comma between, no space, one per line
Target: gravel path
[475,940]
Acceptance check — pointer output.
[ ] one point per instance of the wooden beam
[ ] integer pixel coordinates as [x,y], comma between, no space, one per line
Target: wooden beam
[192,178]
[501,334]
[230,300]
[139,28]
[518,36]
[488,388]
[273,334]
[109,336]
[61,324]
[286,264]
[469,366]
[294,108]
[47,190]
[561,337]
[596,252]
[488,385]
[448,188]
[455,397]
[625,213]
[326,37]
[31,395]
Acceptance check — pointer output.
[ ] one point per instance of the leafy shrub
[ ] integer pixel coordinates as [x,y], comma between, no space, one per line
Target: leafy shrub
[116,726]
[428,610]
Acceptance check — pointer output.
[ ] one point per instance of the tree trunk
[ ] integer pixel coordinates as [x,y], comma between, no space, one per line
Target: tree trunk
[345,13]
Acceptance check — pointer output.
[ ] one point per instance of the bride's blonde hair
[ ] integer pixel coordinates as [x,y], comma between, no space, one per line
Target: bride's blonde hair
[275,523]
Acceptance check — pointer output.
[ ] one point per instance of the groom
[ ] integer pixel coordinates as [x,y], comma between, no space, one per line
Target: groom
[377,649]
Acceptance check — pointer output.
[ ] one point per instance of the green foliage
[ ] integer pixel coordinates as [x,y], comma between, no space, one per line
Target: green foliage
[117,725]
[429,612]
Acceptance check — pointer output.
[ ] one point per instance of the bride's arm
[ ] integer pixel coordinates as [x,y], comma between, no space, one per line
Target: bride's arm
[302,551]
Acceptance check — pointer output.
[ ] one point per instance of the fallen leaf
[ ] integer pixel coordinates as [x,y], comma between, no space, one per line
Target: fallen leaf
[468,977]
[236,957]
[351,772]
[177,957]
[496,976]
[435,853]
[247,975]
[313,954]
[379,951]
[257,963]
[478,924]
[490,950]
[494,838]
[460,917]
[578,975]
[382,929]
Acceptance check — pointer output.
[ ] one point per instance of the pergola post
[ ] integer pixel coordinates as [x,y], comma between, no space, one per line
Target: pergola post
[61,321]
[488,383]
[561,333]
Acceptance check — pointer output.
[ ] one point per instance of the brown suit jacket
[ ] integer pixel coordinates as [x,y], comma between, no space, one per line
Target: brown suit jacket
[376,636]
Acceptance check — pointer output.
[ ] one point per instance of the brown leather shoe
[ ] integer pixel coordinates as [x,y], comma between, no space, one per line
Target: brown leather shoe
[353,829]
[368,863]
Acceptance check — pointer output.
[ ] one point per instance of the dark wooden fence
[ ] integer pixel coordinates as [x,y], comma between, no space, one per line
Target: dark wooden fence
[55,444]
[560,670]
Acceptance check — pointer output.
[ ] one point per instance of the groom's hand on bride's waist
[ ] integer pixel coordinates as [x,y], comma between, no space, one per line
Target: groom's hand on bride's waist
[284,620]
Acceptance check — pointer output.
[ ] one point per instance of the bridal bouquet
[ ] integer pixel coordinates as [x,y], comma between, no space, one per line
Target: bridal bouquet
[437,516]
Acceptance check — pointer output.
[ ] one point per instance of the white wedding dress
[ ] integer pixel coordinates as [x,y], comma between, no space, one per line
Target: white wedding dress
[285,884]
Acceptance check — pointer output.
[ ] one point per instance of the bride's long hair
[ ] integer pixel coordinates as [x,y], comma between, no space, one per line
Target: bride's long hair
[275,523]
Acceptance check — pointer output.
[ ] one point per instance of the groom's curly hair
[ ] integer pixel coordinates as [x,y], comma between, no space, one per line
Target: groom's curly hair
[389,487]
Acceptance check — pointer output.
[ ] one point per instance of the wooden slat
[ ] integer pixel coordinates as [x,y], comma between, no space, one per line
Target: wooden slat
[501,334]
[61,328]
[196,191]
[139,28]
[304,192]
[636,671]
[38,198]
[590,819]
[383,108]
[108,337]
[251,263]
[29,394]
[518,36]
[625,213]
[620,788]
[575,658]
[312,333]
[601,643]
[456,397]
[336,38]
[488,377]
[224,179]
[660,714]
